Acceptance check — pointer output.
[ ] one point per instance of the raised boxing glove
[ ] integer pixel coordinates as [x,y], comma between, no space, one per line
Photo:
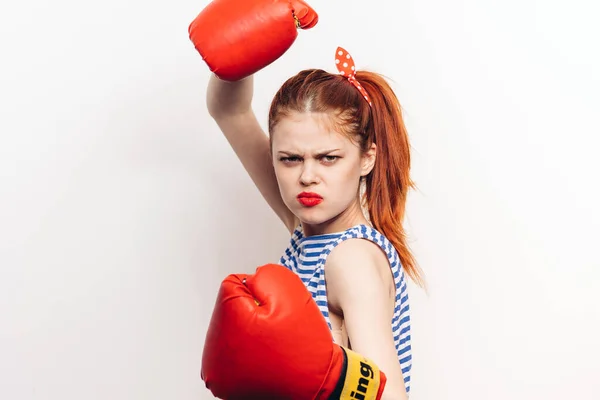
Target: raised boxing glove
[267,339]
[237,38]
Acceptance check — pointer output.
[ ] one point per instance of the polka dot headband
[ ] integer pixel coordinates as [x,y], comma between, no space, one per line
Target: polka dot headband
[345,65]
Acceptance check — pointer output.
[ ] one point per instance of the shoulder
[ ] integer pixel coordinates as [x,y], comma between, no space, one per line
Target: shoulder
[357,268]
[354,252]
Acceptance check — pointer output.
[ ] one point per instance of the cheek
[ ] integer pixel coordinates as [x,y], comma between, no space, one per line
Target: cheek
[285,178]
[346,180]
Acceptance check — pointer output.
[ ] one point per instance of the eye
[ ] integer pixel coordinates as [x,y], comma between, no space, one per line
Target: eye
[329,159]
[290,159]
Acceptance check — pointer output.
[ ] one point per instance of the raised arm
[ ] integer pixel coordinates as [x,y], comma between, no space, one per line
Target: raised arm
[229,103]
[237,38]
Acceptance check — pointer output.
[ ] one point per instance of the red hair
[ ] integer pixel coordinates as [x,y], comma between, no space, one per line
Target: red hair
[389,181]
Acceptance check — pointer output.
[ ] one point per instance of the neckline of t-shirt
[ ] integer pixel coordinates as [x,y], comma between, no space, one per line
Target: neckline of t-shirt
[332,235]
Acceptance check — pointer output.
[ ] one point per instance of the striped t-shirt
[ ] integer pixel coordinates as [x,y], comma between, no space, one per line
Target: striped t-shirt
[306,257]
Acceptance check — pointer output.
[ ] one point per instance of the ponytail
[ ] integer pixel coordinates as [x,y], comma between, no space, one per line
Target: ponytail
[388,183]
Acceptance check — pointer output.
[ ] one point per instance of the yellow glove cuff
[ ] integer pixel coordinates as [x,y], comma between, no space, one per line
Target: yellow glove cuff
[362,378]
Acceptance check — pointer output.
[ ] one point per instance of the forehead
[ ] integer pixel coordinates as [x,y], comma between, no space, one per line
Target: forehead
[307,132]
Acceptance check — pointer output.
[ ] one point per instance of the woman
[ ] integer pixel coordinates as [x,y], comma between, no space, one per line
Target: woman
[329,136]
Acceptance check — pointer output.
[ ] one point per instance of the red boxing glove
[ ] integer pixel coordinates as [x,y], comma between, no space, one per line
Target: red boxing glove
[267,339]
[236,38]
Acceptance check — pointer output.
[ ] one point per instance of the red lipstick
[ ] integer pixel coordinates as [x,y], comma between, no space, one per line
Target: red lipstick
[309,199]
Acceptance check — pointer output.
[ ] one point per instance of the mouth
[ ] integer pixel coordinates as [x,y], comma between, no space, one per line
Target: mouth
[309,199]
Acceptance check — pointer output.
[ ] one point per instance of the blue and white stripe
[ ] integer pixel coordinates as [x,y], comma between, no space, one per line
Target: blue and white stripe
[306,256]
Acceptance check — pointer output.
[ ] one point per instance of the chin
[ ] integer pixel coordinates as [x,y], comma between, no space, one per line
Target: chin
[314,216]
[311,216]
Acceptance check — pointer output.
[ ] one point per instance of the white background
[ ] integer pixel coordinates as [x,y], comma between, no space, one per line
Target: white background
[122,206]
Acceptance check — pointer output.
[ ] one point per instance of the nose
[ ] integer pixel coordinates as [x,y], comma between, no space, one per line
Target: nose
[309,175]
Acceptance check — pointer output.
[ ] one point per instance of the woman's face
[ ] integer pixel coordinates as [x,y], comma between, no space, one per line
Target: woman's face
[318,169]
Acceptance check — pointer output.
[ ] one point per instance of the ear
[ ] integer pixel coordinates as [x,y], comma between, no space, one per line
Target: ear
[368,160]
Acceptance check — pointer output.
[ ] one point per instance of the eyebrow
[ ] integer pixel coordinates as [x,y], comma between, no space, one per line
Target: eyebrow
[321,153]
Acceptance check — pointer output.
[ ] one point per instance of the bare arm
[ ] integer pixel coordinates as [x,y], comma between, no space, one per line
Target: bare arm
[224,98]
[230,105]
[359,283]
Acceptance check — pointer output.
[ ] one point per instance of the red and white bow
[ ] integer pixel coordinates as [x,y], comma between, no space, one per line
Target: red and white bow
[346,67]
